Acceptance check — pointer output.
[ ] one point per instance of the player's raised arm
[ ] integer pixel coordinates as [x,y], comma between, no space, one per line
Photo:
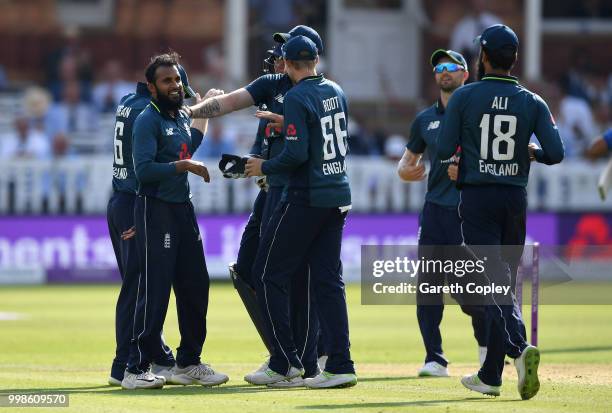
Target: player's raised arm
[222,105]
[546,131]
[450,130]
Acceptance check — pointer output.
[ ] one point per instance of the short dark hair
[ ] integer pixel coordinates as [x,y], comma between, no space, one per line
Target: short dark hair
[304,64]
[503,58]
[166,59]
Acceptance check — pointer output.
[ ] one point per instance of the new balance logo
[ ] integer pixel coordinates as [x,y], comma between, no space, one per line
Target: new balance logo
[167,241]
[279,98]
[169,131]
[434,124]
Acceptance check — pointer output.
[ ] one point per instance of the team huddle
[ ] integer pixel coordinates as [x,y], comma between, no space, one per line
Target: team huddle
[479,147]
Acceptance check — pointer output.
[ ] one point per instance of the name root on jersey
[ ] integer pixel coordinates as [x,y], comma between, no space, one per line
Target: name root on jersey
[508,169]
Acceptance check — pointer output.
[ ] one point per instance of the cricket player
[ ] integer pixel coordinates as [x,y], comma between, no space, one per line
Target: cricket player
[493,120]
[307,225]
[268,92]
[167,234]
[120,217]
[439,220]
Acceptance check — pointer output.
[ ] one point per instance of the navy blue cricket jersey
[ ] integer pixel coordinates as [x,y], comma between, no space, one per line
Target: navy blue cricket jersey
[316,117]
[268,92]
[423,134]
[493,121]
[130,106]
[159,141]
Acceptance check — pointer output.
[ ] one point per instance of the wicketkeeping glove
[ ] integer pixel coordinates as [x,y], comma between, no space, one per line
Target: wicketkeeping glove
[233,166]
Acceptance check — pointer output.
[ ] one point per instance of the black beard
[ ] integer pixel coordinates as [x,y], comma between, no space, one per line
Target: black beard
[168,105]
[449,89]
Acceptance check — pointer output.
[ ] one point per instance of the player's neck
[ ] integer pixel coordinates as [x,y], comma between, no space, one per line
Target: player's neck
[497,72]
[304,74]
[444,97]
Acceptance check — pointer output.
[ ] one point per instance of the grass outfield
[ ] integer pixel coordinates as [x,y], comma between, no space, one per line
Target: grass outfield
[63,340]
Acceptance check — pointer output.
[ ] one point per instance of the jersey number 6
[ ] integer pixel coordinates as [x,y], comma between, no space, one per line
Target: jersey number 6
[118,144]
[500,136]
[333,125]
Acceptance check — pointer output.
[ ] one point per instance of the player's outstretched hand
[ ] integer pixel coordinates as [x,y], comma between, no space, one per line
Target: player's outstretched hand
[453,171]
[195,167]
[531,148]
[276,120]
[253,167]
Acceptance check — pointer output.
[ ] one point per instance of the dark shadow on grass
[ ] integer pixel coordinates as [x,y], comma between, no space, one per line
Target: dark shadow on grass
[423,403]
[575,349]
[394,378]
[169,390]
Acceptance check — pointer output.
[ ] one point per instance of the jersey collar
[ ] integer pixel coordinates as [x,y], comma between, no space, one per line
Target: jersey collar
[179,113]
[501,78]
[316,77]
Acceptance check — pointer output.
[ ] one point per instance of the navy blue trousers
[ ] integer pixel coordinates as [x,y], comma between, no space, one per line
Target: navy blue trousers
[298,235]
[304,320]
[492,216]
[439,227]
[120,217]
[171,255]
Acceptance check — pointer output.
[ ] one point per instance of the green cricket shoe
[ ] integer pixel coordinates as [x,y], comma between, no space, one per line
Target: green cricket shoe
[527,369]
[326,380]
[474,383]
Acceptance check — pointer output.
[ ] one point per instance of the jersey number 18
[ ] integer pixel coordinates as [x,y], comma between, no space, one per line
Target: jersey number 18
[500,122]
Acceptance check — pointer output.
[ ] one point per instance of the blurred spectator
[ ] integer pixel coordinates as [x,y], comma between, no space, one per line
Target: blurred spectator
[59,180]
[215,143]
[112,88]
[71,114]
[361,143]
[575,82]
[24,142]
[70,62]
[36,103]
[576,124]
[395,145]
[471,25]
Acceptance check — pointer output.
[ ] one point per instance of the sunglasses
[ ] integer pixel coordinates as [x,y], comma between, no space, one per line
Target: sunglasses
[450,67]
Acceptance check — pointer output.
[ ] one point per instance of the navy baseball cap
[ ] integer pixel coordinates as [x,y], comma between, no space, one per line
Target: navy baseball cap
[301,30]
[189,92]
[451,54]
[300,48]
[498,36]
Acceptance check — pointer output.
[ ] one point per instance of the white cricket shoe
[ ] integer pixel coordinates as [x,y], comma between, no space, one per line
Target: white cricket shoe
[269,376]
[163,371]
[326,380]
[321,361]
[291,383]
[527,369]
[474,383]
[146,380]
[482,354]
[201,374]
[113,381]
[288,384]
[433,369]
